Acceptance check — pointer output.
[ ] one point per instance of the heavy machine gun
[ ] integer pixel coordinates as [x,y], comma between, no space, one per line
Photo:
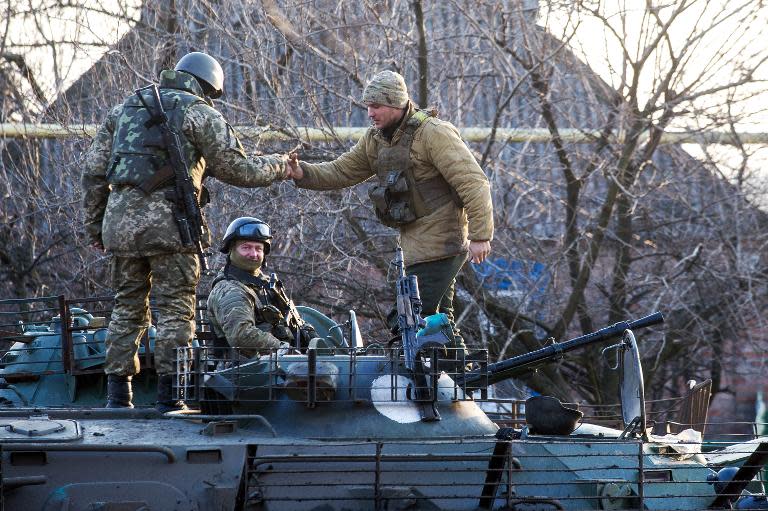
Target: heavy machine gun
[511,367]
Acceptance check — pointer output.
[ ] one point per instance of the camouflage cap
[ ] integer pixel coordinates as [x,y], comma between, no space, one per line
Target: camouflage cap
[386,88]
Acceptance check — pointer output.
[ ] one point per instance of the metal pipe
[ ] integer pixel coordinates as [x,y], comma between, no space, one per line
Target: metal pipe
[66,335]
[83,413]
[351,133]
[311,377]
[377,478]
[198,374]
[11,483]
[384,458]
[641,474]
[9,301]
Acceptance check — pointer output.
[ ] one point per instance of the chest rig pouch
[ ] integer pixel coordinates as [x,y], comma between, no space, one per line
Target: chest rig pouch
[397,198]
[266,316]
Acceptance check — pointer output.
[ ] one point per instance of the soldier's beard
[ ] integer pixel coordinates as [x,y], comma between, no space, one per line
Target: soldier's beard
[251,266]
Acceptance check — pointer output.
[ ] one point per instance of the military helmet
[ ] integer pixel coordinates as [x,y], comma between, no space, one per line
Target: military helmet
[247,228]
[206,69]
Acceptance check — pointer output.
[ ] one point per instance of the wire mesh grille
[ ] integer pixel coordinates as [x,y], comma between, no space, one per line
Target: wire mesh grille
[546,473]
[334,374]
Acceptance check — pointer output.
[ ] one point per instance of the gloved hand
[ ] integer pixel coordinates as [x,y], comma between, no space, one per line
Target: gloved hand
[307,333]
[283,333]
[283,349]
[271,314]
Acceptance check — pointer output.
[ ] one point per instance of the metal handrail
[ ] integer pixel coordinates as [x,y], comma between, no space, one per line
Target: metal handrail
[354,133]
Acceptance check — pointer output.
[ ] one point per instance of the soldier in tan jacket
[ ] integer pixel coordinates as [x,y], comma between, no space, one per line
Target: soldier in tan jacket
[429,186]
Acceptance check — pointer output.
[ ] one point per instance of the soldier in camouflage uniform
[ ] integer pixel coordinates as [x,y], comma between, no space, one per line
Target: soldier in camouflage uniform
[429,186]
[246,308]
[128,214]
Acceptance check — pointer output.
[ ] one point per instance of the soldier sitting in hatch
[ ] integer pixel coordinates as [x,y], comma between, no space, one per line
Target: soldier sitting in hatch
[247,308]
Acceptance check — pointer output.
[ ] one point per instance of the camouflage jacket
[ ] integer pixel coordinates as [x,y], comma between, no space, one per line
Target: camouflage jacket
[130,223]
[234,311]
[437,148]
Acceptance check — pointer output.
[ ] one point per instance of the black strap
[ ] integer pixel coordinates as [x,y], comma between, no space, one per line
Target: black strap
[496,466]
[156,115]
[493,474]
[235,273]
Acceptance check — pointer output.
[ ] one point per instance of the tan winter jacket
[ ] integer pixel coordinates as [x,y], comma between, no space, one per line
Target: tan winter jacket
[437,149]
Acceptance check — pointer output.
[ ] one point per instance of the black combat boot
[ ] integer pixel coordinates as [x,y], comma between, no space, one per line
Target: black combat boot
[119,392]
[165,401]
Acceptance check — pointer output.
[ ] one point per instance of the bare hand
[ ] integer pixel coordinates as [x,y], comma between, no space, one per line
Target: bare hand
[97,246]
[479,250]
[295,170]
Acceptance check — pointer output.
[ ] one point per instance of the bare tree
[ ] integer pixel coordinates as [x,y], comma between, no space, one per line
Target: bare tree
[586,233]
[643,226]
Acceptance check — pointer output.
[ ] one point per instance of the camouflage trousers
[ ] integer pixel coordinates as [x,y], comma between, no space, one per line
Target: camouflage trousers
[437,285]
[172,279]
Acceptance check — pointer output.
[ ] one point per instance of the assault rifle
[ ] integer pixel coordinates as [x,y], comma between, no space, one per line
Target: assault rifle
[409,322]
[186,204]
[292,317]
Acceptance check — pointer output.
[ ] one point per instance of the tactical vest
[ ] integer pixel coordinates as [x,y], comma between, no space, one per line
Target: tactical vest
[263,311]
[138,151]
[397,198]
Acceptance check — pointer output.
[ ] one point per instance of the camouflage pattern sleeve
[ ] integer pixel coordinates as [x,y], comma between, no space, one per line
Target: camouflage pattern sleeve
[224,155]
[94,179]
[349,169]
[233,310]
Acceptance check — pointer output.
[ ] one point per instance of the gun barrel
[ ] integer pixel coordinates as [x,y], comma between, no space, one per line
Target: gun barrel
[510,367]
[399,263]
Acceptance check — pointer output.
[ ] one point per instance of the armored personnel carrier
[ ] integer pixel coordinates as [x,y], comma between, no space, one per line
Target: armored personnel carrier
[339,424]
